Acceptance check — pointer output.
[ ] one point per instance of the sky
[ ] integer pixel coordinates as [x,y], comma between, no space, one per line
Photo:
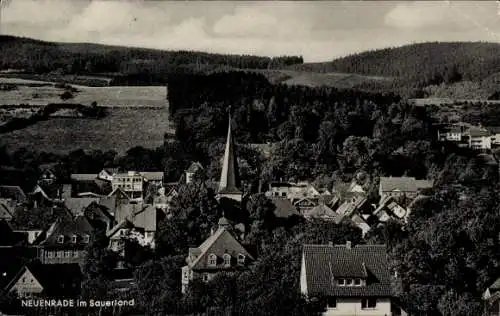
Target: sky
[316,30]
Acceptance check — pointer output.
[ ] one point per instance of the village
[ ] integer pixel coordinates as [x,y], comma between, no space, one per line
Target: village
[129,205]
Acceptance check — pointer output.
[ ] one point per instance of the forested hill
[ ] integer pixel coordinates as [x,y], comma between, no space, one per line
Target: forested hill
[82,58]
[425,62]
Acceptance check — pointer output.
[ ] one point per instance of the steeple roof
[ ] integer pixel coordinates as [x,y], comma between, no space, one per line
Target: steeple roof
[230,178]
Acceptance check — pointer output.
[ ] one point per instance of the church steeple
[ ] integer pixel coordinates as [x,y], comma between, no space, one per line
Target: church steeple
[229,185]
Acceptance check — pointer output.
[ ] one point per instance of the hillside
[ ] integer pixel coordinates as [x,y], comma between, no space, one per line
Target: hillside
[420,66]
[40,57]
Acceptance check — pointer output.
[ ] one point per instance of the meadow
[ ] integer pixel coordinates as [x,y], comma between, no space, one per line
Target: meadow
[121,130]
[40,93]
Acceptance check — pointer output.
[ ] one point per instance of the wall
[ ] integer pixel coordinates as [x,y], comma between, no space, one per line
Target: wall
[49,256]
[303,279]
[348,307]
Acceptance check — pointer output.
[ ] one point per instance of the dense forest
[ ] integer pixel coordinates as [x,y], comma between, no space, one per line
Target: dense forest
[38,57]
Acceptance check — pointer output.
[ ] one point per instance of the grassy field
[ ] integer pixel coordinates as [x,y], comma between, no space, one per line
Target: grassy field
[40,93]
[121,130]
[315,79]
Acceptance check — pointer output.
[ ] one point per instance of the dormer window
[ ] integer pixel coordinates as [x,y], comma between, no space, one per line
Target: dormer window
[212,260]
[357,282]
[74,239]
[227,260]
[241,259]
[60,239]
[86,239]
[341,282]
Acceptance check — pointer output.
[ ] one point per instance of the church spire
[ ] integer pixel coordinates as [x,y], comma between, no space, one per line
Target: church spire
[229,180]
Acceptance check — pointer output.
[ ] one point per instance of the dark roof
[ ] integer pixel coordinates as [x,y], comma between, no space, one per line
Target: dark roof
[152,175]
[78,205]
[79,226]
[50,191]
[404,184]
[496,285]
[6,209]
[230,182]
[284,208]
[13,192]
[493,129]
[97,186]
[324,212]
[324,263]
[58,280]
[220,243]
[140,214]
[83,176]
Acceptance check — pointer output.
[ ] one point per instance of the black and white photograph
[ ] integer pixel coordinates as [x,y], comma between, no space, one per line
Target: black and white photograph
[249,158]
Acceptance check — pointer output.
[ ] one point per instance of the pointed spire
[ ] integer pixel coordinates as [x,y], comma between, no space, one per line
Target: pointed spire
[229,179]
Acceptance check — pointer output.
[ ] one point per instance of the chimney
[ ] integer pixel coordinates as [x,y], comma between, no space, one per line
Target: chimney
[348,244]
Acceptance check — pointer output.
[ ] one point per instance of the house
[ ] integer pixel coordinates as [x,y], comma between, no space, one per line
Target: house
[350,280]
[66,241]
[479,138]
[304,205]
[388,208]
[15,193]
[193,168]
[136,221]
[47,194]
[358,210]
[292,190]
[323,212]
[37,280]
[230,183]
[113,200]
[153,177]
[132,183]
[107,174]
[219,253]
[12,259]
[94,187]
[407,187]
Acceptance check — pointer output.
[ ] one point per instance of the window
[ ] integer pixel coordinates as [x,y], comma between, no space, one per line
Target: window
[205,277]
[186,275]
[212,260]
[24,280]
[241,259]
[68,254]
[60,239]
[357,282]
[331,302]
[227,260]
[341,282]
[86,239]
[49,254]
[349,282]
[283,194]
[60,254]
[74,238]
[368,303]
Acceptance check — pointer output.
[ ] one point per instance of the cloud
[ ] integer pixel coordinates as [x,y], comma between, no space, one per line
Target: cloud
[316,30]
[40,11]
[421,15]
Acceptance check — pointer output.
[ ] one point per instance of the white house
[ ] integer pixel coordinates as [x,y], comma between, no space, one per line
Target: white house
[350,280]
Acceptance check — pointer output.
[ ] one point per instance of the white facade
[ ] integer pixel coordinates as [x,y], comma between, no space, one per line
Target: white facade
[481,142]
[354,306]
[132,183]
[293,191]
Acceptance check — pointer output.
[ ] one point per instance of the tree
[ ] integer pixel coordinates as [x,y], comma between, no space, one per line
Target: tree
[97,267]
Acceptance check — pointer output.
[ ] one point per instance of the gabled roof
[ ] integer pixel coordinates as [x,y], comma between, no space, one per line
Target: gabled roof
[13,192]
[194,166]
[284,208]
[55,279]
[124,224]
[79,204]
[220,243]
[325,263]
[140,214]
[478,132]
[12,259]
[230,177]
[324,212]
[352,205]
[97,186]
[79,226]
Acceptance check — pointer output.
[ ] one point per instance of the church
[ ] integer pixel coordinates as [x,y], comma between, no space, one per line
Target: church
[223,251]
